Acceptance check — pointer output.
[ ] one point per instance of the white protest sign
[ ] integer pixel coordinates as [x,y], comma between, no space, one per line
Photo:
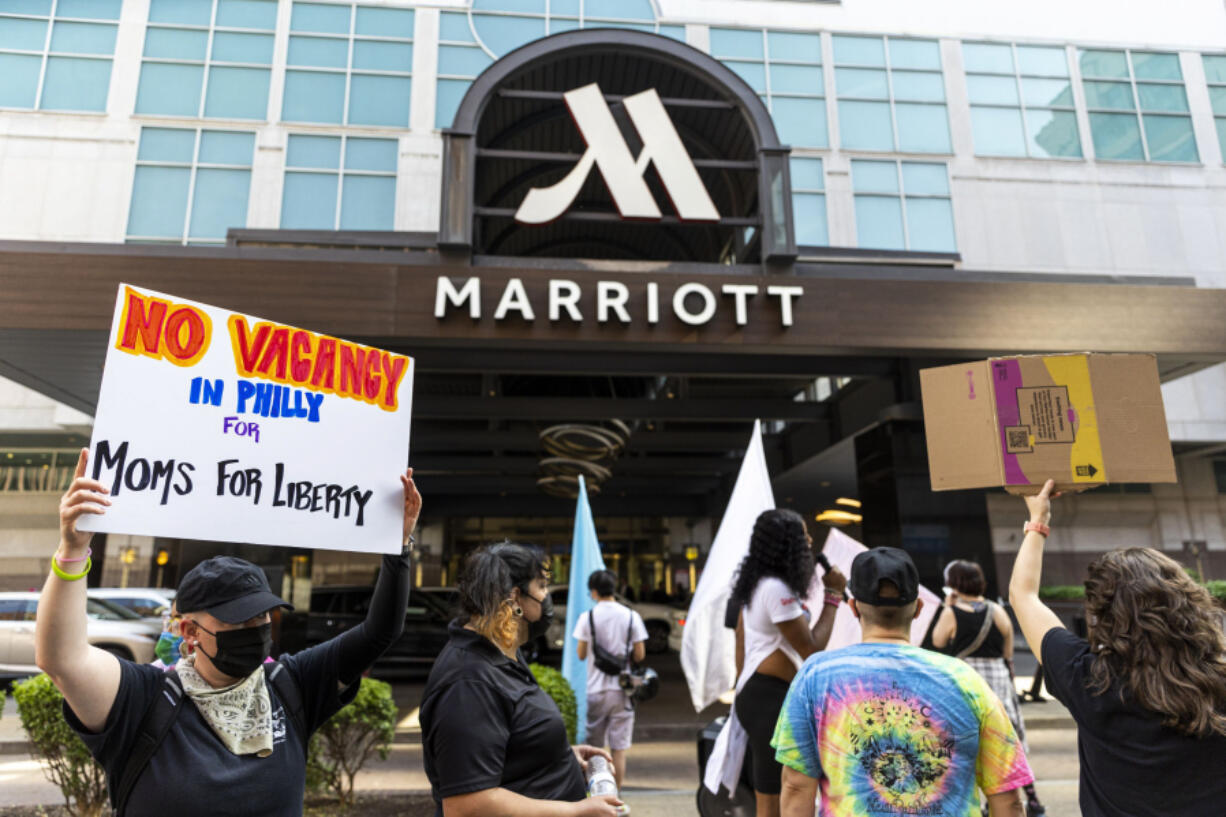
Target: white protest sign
[221,426]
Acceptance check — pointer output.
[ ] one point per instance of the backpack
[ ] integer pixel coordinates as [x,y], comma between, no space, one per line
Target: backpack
[164,711]
[605,661]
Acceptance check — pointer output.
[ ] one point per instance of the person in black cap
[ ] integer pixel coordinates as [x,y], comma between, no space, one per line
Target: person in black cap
[239,746]
[884,727]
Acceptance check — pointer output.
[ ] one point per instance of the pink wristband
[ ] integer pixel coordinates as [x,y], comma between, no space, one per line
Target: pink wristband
[88,552]
[833,601]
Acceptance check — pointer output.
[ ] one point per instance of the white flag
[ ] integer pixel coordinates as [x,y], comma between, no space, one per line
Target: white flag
[708,649]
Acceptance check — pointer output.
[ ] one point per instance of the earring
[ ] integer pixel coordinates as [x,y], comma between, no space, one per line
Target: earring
[517,611]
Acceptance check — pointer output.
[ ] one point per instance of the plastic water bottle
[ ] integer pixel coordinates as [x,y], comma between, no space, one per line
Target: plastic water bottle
[600,780]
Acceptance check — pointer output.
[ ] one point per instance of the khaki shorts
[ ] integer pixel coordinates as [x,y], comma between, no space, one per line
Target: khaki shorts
[609,721]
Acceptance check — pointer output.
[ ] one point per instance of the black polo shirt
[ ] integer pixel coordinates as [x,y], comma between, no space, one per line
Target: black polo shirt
[487,724]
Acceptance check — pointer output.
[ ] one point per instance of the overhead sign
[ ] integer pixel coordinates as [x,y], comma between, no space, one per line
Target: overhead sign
[221,426]
[622,172]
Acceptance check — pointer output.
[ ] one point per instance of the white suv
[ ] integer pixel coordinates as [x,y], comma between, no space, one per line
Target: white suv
[113,629]
[664,623]
[146,602]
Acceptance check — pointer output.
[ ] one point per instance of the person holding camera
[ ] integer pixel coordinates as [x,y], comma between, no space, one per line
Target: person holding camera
[494,742]
[226,729]
[610,637]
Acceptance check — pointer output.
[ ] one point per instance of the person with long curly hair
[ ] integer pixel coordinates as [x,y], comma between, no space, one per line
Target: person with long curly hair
[775,633]
[493,742]
[1147,688]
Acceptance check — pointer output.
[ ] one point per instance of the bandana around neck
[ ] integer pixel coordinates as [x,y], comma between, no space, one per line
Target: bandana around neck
[240,715]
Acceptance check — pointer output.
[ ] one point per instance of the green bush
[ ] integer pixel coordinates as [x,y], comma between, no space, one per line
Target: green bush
[1063,592]
[66,761]
[558,688]
[352,736]
[1217,589]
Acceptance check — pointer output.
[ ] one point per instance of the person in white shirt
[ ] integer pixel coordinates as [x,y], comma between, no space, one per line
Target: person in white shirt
[620,633]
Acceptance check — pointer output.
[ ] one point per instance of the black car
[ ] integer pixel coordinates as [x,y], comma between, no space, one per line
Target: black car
[337,608]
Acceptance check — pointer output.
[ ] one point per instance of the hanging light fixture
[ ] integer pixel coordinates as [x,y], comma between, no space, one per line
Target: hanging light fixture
[579,449]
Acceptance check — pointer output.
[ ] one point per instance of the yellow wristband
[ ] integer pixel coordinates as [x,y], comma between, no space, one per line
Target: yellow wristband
[71,577]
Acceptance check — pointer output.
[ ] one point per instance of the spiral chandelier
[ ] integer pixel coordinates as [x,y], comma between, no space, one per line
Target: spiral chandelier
[579,449]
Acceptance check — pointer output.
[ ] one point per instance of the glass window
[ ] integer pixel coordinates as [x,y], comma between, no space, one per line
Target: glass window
[1021,100]
[1215,74]
[902,206]
[322,192]
[349,65]
[891,94]
[469,41]
[785,68]
[57,56]
[809,201]
[207,58]
[1138,106]
[191,185]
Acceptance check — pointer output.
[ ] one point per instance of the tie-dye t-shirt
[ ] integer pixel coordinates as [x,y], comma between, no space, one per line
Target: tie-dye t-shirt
[897,730]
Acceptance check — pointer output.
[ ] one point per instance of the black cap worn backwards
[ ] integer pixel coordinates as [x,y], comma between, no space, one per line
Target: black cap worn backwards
[233,590]
[884,564]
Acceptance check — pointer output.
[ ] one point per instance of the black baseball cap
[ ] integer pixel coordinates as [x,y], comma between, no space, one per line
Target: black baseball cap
[231,589]
[872,567]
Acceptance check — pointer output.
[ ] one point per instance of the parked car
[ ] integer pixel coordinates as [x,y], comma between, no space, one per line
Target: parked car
[663,622]
[146,602]
[114,629]
[337,608]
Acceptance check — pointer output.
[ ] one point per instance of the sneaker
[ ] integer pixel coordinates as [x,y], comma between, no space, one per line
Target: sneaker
[1035,810]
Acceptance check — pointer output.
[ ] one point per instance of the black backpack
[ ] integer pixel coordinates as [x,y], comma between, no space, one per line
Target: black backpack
[605,661]
[164,711]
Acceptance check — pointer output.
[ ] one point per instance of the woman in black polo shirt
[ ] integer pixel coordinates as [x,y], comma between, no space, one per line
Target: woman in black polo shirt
[494,742]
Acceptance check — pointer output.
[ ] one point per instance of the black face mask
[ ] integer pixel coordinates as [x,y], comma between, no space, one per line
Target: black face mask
[241,652]
[538,628]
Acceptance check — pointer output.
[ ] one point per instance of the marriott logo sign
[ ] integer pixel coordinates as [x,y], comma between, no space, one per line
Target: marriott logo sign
[622,172]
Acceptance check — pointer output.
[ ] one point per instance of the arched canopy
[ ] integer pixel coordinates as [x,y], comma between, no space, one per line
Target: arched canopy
[513,132]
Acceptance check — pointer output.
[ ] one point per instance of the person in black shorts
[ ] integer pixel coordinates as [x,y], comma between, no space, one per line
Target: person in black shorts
[493,741]
[234,744]
[1147,688]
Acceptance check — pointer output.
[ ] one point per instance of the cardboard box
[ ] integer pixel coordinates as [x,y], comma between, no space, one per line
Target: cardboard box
[1082,420]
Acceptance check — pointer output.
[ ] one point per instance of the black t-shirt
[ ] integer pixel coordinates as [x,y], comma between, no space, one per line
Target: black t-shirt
[1131,765]
[192,773]
[487,724]
[969,625]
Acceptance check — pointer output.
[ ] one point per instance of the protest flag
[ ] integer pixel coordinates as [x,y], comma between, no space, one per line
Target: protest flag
[585,558]
[708,655]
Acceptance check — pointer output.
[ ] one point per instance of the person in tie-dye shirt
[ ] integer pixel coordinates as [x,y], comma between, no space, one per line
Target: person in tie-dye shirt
[885,728]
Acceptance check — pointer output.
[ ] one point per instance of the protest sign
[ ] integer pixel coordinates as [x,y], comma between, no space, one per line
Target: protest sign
[221,426]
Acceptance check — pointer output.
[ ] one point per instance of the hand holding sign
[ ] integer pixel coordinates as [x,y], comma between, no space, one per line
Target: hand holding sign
[83,496]
[222,426]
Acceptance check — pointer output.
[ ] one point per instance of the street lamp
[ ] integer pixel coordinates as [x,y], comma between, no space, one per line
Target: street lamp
[162,558]
[126,557]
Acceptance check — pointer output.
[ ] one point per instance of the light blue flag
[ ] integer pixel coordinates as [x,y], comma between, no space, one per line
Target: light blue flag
[585,559]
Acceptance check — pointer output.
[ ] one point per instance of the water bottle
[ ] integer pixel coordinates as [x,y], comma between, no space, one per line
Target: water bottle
[600,780]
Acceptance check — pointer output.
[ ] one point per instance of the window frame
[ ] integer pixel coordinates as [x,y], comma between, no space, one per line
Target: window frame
[193,167]
[46,54]
[902,195]
[1137,111]
[1219,119]
[341,172]
[207,64]
[349,71]
[810,191]
[887,66]
[1022,107]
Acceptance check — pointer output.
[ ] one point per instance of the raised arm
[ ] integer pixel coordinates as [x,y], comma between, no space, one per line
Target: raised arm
[358,648]
[805,640]
[1035,617]
[86,676]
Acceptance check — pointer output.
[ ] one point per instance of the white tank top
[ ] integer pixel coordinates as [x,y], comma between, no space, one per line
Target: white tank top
[772,603]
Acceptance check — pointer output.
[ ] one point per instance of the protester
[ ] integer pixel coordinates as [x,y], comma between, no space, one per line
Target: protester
[887,728]
[493,741]
[979,632]
[240,748]
[621,634]
[169,647]
[1147,688]
[775,633]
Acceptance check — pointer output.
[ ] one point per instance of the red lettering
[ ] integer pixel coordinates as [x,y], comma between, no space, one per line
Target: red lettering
[353,361]
[371,374]
[276,352]
[393,370]
[185,318]
[248,348]
[141,326]
[300,368]
[324,374]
